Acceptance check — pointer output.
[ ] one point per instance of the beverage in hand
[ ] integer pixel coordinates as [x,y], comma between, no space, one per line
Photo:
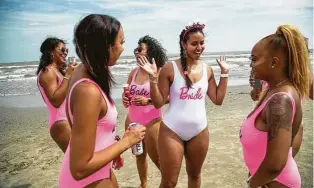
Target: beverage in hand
[127,92]
[137,149]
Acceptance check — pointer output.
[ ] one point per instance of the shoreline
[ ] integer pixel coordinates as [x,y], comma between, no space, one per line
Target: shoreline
[36,101]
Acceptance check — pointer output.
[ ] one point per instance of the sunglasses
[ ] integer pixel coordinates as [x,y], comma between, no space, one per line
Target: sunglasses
[63,50]
[138,49]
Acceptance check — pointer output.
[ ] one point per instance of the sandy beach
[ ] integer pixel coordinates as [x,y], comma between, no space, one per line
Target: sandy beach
[30,158]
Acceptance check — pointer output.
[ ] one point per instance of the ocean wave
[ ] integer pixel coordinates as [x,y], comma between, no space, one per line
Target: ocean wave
[121,73]
[17,66]
[22,79]
[18,77]
[126,61]
[124,66]
[13,94]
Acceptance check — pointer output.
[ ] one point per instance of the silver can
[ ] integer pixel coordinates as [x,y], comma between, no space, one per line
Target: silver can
[137,149]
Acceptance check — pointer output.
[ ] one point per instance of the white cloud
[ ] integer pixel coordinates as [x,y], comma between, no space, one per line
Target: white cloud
[230,24]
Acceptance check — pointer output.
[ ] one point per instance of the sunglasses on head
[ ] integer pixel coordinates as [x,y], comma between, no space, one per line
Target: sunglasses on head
[63,50]
[138,49]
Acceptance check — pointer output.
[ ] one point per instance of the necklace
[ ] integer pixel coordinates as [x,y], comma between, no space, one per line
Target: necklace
[264,96]
[280,83]
[268,90]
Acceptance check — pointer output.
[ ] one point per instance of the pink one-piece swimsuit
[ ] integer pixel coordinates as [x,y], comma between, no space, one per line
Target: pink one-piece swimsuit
[105,137]
[254,145]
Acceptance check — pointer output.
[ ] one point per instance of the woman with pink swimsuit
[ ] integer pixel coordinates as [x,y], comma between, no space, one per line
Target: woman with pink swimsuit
[255,94]
[94,149]
[141,109]
[52,83]
[267,134]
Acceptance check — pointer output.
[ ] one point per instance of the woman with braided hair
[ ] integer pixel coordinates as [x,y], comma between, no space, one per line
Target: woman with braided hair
[268,132]
[183,131]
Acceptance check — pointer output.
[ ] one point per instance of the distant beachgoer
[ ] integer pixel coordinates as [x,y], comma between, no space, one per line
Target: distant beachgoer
[52,83]
[94,148]
[141,109]
[267,134]
[183,131]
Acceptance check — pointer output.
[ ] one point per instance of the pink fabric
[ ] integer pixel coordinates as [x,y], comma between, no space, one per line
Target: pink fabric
[105,137]
[54,114]
[254,145]
[141,114]
[264,85]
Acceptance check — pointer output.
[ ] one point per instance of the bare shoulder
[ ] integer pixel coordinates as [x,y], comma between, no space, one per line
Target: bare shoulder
[279,104]
[209,71]
[279,112]
[167,69]
[131,75]
[86,91]
[133,71]
[46,76]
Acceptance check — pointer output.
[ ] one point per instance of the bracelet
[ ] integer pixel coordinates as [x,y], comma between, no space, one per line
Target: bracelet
[224,75]
[65,78]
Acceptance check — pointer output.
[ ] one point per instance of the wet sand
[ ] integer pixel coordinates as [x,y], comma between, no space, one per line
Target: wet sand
[29,157]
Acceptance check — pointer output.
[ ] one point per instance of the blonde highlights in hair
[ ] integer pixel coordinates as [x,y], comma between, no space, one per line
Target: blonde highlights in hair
[294,45]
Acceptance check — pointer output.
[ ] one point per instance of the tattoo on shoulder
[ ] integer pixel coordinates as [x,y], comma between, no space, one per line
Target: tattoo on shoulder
[279,114]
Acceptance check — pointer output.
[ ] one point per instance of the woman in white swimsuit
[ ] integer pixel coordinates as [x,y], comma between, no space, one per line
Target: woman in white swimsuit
[183,131]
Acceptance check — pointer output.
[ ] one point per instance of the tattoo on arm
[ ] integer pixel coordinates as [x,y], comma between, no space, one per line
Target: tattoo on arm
[278,114]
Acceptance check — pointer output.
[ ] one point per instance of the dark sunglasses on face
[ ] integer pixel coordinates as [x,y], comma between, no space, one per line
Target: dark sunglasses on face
[63,50]
[138,49]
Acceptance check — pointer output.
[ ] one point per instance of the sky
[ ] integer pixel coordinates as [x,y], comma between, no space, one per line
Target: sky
[231,25]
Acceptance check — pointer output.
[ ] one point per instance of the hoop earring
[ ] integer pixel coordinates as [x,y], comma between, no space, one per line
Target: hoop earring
[52,56]
[184,53]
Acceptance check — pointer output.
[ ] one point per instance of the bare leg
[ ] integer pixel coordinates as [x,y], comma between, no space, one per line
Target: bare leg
[142,167]
[195,154]
[171,150]
[141,161]
[151,141]
[60,133]
[113,178]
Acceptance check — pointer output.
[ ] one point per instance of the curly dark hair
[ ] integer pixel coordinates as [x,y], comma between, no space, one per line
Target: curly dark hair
[154,50]
[46,49]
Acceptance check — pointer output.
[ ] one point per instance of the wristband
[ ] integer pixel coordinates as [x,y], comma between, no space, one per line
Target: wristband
[224,75]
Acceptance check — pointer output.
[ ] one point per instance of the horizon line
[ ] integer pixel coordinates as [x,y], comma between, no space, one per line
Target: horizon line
[121,57]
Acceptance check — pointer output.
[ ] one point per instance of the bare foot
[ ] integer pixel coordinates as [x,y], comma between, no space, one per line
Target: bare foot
[143,185]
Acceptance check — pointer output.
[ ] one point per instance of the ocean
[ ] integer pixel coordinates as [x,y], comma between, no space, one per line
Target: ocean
[19,79]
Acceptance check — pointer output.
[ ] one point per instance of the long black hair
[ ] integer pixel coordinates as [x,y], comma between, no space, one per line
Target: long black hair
[46,48]
[154,50]
[93,37]
[184,36]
